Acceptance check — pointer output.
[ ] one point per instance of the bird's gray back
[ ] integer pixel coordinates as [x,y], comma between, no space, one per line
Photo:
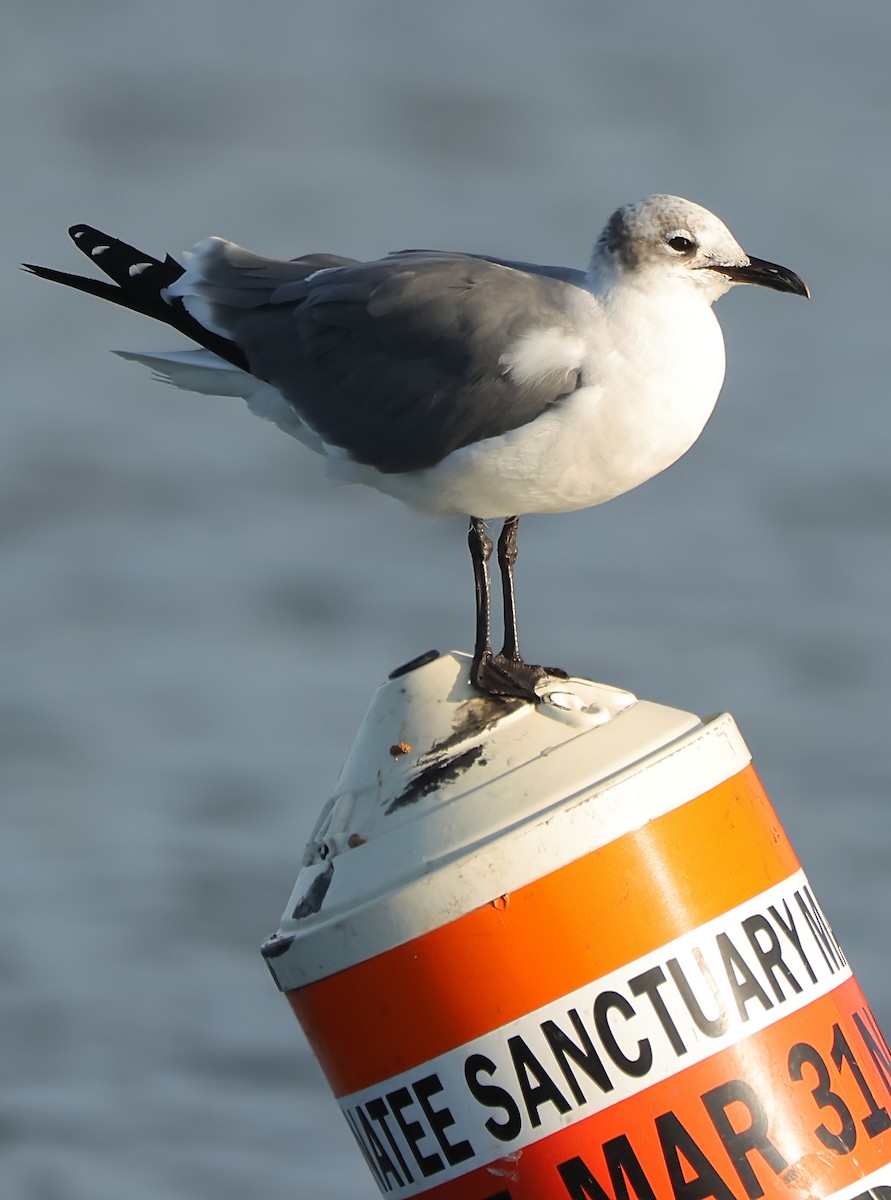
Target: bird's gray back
[397,361]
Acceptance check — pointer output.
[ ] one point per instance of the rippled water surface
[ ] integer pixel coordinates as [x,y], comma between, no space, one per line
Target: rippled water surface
[193,621]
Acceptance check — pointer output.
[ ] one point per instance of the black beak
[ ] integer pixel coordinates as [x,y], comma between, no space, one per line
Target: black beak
[767,274]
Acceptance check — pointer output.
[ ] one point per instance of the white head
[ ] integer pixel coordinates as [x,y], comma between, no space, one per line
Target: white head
[666,238]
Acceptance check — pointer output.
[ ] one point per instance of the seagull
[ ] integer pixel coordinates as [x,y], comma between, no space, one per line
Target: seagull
[461,384]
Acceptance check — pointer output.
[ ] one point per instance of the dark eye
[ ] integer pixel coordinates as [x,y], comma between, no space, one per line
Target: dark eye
[683,245]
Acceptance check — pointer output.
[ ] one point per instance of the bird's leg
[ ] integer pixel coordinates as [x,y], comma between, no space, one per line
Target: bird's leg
[480,552]
[503,674]
[507,557]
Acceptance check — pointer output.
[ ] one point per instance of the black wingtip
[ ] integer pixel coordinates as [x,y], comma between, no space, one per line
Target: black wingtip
[82,230]
[88,238]
[138,283]
[46,273]
[92,287]
[133,270]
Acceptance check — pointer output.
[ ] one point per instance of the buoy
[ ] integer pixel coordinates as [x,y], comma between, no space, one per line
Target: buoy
[566,950]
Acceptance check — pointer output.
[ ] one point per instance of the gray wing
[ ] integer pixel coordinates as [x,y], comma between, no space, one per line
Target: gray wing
[398,361]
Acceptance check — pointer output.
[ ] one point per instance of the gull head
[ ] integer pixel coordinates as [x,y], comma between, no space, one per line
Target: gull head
[664,241]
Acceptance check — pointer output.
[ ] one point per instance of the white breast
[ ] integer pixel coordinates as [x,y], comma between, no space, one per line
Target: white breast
[651,377]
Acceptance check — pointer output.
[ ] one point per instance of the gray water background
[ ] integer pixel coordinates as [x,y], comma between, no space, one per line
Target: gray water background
[193,621]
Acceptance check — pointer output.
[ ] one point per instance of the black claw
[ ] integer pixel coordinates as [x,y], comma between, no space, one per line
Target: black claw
[496,675]
[556,672]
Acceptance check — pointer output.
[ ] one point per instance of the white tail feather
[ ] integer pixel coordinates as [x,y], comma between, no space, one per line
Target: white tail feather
[195,371]
[205,372]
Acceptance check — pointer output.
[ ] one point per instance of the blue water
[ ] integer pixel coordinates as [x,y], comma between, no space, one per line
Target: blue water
[193,621]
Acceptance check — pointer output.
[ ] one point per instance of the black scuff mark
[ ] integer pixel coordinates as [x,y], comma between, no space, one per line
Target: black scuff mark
[474,717]
[434,776]
[312,899]
[275,945]
[421,660]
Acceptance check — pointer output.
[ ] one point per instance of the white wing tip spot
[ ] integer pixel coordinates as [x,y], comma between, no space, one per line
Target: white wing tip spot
[98,250]
[138,268]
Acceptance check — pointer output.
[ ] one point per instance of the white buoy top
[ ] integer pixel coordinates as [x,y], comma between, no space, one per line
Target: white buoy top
[449,799]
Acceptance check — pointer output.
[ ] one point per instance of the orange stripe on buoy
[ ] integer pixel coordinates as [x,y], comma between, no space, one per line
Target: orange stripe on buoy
[802,1111]
[519,952]
[628,990]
